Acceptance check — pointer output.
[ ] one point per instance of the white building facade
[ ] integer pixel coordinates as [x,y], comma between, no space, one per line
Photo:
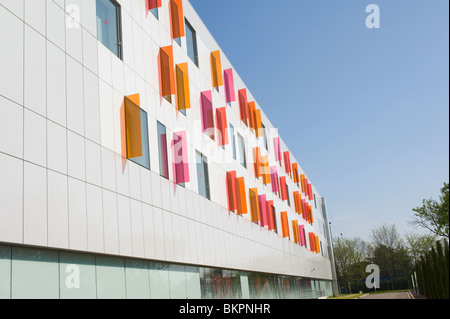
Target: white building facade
[135,163]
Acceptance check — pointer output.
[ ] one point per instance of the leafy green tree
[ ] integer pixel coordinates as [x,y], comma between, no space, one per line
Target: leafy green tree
[433,215]
[432,272]
[349,255]
[418,245]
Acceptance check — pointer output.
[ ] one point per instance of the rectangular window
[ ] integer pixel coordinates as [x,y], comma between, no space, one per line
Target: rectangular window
[167,72]
[242,199]
[285,225]
[295,231]
[231,191]
[243,158]
[287,194]
[183,99]
[143,160]
[176,14]
[203,176]
[257,162]
[222,129]
[230,95]
[134,131]
[162,145]
[287,162]
[216,69]
[207,114]
[254,205]
[191,41]
[243,105]
[233,140]
[180,158]
[108,25]
[272,221]
[265,136]
[263,210]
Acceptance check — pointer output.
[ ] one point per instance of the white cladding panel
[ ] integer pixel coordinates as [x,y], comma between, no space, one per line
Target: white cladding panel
[63,181]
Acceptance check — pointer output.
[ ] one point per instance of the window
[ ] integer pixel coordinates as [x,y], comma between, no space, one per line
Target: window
[287,195]
[180,158]
[233,140]
[108,26]
[202,176]
[155,12]
[183,99]
[191,41]
[162,145]
[243,158]
[143,160]
[265,136]
[272,221]
[152,6]
[207,114]
[134,131]
[176,16]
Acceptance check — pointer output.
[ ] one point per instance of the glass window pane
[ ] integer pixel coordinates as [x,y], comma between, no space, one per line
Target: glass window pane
[77,279]
[144,160]
[193,289]
[177,282]
[159,280]
[265,136]
[233,141]
[110,278]
[243,158]
[108,25]
[5,271]
[162,145]
[191,41]
[155,12]
[34,274]
[202,175]
[137,279]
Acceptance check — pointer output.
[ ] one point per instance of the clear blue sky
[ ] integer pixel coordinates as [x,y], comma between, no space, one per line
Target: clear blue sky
[364,111]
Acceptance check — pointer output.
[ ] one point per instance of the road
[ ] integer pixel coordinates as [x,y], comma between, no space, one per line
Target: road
[389,295]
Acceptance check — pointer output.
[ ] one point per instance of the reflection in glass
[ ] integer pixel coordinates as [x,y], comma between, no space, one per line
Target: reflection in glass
[108,25]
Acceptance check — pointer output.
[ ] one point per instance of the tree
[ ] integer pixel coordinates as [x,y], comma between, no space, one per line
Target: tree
[418,245]
[349,255]
[433,215]
[386,235]
[432,272]
[389,253]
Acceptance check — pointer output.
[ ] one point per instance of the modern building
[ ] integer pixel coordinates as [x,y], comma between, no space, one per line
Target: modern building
[135,163]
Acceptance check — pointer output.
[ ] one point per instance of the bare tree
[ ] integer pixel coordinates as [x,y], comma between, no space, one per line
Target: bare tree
[387,238]
[386,235]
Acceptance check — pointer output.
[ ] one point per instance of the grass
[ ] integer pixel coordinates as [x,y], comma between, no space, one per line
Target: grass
[387,291]
[350,296]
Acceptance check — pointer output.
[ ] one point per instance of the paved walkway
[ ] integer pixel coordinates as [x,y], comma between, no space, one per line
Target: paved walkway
[389,295]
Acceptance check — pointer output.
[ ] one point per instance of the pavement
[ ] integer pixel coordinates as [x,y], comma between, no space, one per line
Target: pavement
[389,295]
